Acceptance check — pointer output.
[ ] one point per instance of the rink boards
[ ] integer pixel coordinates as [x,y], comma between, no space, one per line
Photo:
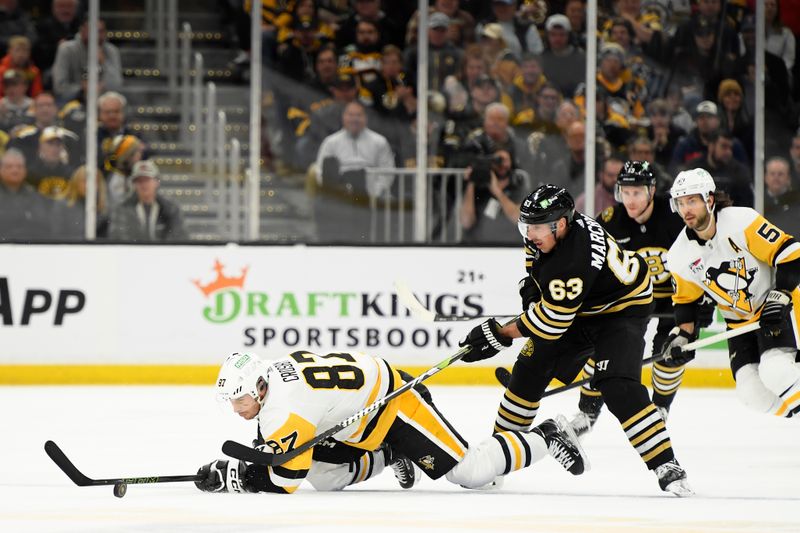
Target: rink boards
[108,314]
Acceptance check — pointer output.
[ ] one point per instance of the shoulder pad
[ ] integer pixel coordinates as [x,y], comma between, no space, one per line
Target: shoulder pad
[607,213]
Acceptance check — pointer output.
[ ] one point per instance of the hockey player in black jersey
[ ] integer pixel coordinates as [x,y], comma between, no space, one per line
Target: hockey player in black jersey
[642,222]
[594,298]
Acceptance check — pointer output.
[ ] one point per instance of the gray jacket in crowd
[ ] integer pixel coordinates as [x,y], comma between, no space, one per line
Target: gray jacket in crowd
[71,61]
[131,221]
[25,215]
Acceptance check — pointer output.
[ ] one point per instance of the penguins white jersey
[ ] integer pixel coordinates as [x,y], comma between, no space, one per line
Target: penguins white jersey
[736,267]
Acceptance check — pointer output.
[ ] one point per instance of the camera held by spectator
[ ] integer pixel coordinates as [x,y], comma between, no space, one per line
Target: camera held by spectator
[483,166]
[490,205]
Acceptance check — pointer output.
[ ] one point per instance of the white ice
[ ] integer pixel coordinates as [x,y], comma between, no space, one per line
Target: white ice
[744,467]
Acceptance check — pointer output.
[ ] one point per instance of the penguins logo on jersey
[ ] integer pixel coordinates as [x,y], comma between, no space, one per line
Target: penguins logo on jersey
[730,282]
[426,462]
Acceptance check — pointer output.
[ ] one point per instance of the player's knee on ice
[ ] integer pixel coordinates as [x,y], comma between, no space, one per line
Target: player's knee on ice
[329,477]
[778,370]
[752,392]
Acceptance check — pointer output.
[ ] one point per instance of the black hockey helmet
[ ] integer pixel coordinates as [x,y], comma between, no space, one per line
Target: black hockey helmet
[634,173]
[547,203]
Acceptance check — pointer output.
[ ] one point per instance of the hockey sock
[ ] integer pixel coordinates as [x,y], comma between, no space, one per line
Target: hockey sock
[368,465]
[498,455]
[666,380]
[520,449]
[515,413]
[640,419]
[781,375]
[520,402]
[591,401]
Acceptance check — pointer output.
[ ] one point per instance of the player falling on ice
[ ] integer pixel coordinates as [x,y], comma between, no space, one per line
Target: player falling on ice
[299,396]
[751,269]
[595,298]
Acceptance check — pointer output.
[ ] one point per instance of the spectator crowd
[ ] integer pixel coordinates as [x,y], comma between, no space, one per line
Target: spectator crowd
[506,94]
[675,87]
[43,168]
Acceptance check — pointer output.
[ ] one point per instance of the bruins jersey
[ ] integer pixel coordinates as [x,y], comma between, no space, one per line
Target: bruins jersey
[651,240]
[310,393]
[586,274]
[736,267]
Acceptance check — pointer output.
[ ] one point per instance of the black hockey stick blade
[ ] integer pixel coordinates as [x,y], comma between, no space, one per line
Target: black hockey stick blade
[58,457]
[77,477]
[503,375]
[237,450]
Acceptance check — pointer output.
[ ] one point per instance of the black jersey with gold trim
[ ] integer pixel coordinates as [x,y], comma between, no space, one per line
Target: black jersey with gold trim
[651,240]
[586,274]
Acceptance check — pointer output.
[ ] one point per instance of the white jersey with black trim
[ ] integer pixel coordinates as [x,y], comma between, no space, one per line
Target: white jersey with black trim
[736,267]
[310,393]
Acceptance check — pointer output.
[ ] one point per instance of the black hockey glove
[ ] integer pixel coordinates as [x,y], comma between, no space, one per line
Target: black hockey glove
[529,292]
[775,313]
[704,312]
[673,352]
[485,341]
[222,476]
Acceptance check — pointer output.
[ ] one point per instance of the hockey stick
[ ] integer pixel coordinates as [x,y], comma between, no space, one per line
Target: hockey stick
[504,376]
[120,484]
[419,311]
[246,453]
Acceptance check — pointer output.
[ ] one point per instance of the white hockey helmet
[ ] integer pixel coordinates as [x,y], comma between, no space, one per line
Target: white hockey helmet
[689,182]
[241,374]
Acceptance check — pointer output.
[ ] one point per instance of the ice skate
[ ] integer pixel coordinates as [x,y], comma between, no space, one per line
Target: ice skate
[672,478]
[563,445]
[582,423]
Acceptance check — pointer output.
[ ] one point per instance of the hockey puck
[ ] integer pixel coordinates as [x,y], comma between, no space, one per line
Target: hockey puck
[120,489]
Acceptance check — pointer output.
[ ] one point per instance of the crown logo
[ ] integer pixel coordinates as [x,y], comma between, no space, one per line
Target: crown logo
[222,281]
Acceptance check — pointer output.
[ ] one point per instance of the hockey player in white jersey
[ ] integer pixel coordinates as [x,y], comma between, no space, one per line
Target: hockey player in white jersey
[297,397]
[751,269]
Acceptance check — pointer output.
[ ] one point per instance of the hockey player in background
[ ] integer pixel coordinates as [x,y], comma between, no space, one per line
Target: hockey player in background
[751,269]
[643,222]
[595,298]
[297,397]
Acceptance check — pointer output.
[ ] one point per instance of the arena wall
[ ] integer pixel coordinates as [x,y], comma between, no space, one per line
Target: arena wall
[108,314]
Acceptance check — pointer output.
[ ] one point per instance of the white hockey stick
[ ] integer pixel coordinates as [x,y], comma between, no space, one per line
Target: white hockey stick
[411,303]
[725,335]
[419,311]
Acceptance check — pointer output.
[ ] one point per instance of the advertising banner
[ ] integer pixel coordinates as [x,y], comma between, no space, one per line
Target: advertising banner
[192,305]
